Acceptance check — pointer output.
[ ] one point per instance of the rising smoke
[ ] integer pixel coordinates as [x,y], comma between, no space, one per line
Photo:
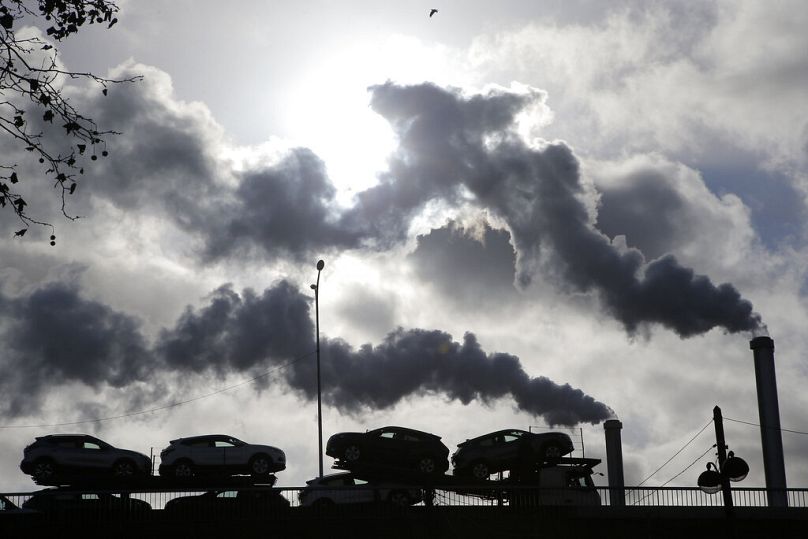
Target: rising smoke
[86,342]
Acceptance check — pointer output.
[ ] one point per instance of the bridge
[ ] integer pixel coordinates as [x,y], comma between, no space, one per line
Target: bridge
[237,509]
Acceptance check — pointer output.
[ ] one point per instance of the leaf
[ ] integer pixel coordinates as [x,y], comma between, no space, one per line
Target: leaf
[47,47]
[82,147]
[72,188]
[104,91]
[13,178]
[112,22]
[61,177]
[20,233]
[7,21]
[48,116]
[18,121]
[34,84]
[20,203]
[71,126]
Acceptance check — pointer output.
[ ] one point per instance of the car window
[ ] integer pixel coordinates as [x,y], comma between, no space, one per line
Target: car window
[89,496]
[359,482]
[199,443]
[408,438]
[508,438]
[227,494]
[66,443]
[387,434]
[2,504]
[91,445]
[486,442]
[222,443]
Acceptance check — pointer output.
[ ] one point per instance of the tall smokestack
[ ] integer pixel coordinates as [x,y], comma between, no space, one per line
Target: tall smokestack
[614,462]
[770,436]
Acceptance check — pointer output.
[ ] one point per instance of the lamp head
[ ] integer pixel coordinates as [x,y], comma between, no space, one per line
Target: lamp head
[735,467]
[320,265]
[710,480]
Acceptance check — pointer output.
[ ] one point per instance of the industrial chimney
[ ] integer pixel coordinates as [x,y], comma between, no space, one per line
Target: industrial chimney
[770,436]
[614,462]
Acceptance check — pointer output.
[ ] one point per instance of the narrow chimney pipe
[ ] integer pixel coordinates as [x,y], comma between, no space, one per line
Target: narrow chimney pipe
[614,462]
[769,410]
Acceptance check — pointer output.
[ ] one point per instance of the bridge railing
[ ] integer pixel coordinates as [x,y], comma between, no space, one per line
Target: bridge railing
[245,501]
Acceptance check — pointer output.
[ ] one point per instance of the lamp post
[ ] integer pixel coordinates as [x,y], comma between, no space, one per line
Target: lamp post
[730,468]
[316,288]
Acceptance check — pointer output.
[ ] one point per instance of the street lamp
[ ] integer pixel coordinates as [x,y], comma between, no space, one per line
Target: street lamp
[730,467]
[316,288]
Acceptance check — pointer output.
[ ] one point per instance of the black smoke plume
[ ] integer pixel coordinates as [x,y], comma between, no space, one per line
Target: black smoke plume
[54,337]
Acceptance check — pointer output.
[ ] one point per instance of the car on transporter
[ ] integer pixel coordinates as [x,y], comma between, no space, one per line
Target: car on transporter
[221,455]
[509,449]
[58,457]
[344,488]
[393,449]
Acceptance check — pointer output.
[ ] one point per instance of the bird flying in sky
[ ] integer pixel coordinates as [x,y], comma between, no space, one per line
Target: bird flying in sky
[432,12]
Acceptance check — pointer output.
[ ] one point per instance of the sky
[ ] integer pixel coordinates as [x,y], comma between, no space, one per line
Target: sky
[531,215]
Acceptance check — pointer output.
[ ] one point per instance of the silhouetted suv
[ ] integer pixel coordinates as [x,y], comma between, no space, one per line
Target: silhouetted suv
[229,503]
[391,448]
[59,455]
[344,488]
[219,454]
[508,450]
[98,505]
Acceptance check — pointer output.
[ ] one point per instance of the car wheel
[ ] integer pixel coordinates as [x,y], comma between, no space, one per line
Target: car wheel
[399,498]
[124,468]
[260,465]
[427,465]
[480,470]
[184,469]
[352,453]
[44,469]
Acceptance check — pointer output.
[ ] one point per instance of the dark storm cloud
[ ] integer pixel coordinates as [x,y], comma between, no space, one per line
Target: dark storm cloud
[464,266]
[53,336]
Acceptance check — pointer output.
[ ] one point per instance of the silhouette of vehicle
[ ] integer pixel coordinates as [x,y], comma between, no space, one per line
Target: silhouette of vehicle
[101,504]
[229,503]
[391,448]
[219,454]
[57,455]
[565,484]
[345,488]
[7,507]
[506,450]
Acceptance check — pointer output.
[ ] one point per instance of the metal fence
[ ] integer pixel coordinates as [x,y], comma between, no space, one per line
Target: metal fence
[244,500]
